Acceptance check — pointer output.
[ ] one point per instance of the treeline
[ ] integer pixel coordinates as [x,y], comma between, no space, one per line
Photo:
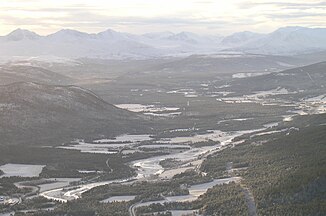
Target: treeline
[85,208]
[144,191]
[60,162]
[8,188]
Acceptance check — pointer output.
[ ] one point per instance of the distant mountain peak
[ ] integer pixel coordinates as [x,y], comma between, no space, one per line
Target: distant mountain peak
[185,33]
[291,28]
[111,44]
[22,34]
[240,38]
[111,34]
[69,32]
[110,31]
[188,37]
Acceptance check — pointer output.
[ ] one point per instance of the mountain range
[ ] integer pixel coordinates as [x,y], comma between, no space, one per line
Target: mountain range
[111,44]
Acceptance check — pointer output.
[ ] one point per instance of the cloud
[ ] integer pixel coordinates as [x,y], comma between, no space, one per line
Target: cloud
[84,18]
[284,5]
[203,16]
[294,15]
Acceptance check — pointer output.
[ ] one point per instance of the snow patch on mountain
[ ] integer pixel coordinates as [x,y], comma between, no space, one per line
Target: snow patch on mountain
[111,44]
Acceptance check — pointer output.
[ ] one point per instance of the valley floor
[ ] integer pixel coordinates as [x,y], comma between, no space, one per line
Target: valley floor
[201,145]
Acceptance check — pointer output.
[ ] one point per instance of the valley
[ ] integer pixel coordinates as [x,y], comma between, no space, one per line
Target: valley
[158,136]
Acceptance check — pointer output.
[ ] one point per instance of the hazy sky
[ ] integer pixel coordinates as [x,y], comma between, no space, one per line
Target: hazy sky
[139,16]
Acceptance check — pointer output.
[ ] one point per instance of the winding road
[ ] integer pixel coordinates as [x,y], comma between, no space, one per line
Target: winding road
[132,209]
[250,200]
[252,210]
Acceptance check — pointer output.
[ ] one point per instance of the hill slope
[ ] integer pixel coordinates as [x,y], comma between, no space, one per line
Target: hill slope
[33,113]
[288,41]
[285,171]
[22,73]
[311,78]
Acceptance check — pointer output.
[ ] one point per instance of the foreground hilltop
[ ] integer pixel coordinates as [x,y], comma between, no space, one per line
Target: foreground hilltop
[28,73]
[32,112]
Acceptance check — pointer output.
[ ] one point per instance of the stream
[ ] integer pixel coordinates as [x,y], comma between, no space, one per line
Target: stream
[150,167]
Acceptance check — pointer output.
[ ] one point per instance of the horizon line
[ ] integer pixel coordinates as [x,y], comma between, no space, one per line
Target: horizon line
[175,33]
